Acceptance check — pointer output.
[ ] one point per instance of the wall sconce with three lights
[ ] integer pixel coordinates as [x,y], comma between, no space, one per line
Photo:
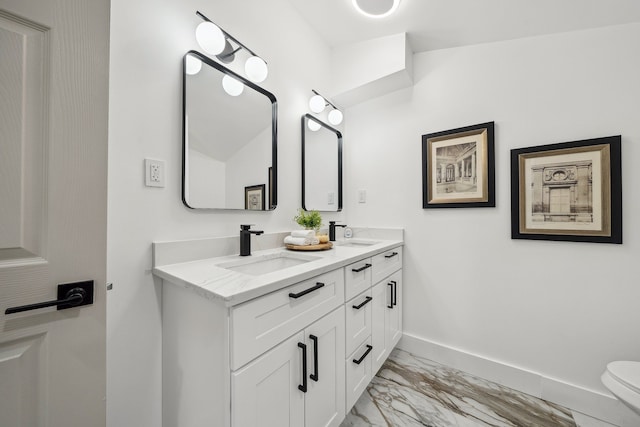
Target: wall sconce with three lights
[219,43]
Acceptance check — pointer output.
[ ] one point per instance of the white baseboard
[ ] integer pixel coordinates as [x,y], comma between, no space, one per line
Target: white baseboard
[589,402]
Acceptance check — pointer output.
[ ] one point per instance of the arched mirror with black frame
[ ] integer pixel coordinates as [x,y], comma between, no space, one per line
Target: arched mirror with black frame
[229,139]
[321,166]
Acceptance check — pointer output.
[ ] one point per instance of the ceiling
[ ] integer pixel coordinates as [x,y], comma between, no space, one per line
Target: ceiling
[440,24]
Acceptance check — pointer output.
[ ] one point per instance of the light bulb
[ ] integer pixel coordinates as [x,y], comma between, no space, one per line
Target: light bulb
[317,104]
[335,117]
[256,69]
[232,86]
[210,38]
[313,125]
[193,65]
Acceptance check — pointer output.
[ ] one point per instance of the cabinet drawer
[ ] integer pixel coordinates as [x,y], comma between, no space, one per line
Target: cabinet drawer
[386,263]
[357,277]
[260,324]
[358,320]
[358,375]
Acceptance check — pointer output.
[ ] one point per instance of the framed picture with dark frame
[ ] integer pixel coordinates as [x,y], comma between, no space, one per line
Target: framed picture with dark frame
[458,168]
[570,191]
[254,197]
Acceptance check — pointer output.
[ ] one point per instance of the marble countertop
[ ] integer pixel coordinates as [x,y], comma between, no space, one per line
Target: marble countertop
[209,279]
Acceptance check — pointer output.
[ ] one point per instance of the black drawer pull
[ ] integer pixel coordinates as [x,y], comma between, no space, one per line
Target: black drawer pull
[314,376]
[390,284]
[306,291]
[366,353]
[363,303]
[303,387]
[391,255]
[363,268]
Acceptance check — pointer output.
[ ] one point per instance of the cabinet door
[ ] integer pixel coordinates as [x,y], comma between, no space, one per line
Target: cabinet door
[325,398]
[265,393]
[381,294]
[394,315]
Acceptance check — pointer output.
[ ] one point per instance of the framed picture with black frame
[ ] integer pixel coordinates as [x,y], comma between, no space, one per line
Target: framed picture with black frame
[570,191]
[458,168]
[254,197]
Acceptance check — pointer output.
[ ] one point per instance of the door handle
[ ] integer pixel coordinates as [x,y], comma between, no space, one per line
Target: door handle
[394,298]
[390,284]
[314,376]
[70,295]
[303,387]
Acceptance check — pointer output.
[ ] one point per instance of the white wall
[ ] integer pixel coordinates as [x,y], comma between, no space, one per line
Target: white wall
[148,40]
[559,309]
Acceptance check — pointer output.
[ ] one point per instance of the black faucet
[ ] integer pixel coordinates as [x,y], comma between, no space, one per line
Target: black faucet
[245,239]
[332,230]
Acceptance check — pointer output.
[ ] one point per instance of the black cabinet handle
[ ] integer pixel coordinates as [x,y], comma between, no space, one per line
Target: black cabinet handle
[366,353]
[303,387]
[394,294]
[391,255]
[69,295]
[362,304]
[363,268]
[306,291]
[314,376]
[390,284]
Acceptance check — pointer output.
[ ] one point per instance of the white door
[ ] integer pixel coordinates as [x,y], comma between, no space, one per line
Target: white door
[266,392]
[325,399]
[53,174]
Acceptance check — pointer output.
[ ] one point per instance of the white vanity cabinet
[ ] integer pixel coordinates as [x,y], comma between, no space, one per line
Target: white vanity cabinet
[297,356]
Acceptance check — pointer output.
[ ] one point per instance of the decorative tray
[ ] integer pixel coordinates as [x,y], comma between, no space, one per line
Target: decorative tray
[318,247]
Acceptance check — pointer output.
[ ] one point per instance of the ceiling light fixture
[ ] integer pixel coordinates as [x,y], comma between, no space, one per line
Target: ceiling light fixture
[216,41]
[317,104]
[376,8]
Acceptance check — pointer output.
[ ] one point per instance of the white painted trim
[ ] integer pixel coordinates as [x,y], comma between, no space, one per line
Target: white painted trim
[589,402]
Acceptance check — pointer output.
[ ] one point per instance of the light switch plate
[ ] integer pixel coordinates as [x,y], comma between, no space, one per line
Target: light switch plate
[153,173]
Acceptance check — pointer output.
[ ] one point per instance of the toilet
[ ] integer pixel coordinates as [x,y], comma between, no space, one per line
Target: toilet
[622,378]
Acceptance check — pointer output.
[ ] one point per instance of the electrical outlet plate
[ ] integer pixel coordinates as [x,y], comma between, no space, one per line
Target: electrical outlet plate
[362,196]
[153,173]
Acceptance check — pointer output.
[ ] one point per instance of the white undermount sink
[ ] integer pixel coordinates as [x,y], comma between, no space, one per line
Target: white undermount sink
[356,242]
[268,263]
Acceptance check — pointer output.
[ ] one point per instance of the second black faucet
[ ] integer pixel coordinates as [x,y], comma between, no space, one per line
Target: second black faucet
[245,239]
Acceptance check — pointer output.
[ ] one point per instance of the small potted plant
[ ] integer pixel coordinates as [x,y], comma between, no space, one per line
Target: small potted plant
[309,220]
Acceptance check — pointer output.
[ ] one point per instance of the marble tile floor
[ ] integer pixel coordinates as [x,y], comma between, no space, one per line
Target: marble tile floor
[411,391]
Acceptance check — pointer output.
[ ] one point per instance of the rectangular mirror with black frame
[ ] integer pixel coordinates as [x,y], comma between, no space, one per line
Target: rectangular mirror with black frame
[229,138]
[321,166]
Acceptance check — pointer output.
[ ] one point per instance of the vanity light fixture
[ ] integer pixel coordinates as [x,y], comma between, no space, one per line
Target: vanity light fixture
[232,86]
[216,41]
[317,104]
[313,125]
[376,8]
[194,65]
